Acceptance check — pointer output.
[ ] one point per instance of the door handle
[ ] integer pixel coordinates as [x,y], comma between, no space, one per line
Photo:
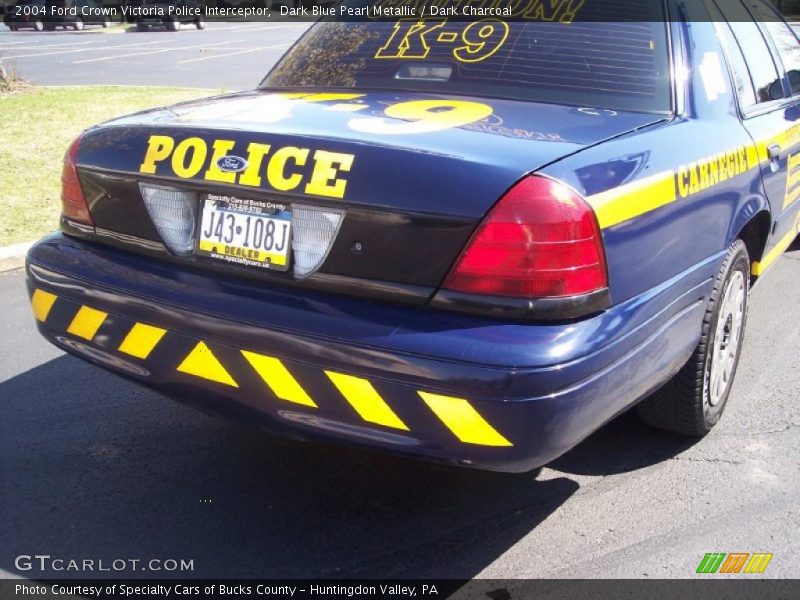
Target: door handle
[774,151]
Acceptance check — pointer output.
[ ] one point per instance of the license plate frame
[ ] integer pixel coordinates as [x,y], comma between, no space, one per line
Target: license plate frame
[245,212]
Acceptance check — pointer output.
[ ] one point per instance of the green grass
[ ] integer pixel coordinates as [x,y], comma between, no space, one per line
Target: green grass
[36,127]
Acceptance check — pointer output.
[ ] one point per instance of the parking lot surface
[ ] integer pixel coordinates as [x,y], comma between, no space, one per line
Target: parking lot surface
[231,56]
[95,467]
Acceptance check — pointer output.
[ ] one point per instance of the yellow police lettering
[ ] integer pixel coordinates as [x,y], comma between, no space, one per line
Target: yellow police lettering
[255,158]
[159,147]
[276,170]
[285,168]
[214,173]
[324,180]
[196,150]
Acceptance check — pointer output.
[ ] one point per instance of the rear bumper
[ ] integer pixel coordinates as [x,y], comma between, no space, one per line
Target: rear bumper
[452,388]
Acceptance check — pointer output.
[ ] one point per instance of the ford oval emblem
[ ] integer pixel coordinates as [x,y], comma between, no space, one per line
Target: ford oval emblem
[232,164]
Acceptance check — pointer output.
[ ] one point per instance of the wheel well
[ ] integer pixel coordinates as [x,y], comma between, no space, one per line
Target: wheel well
[755,234]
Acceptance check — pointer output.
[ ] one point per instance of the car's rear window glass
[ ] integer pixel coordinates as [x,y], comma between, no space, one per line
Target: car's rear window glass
[592,61]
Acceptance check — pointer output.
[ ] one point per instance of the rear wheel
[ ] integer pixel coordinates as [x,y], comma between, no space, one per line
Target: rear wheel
[172,25]
[78,25]
[200,23]
[692,402]
[106,23]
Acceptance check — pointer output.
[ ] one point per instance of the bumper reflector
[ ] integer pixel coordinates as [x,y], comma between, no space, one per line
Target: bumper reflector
[141,340]
[278,378]
[201,362]
[367,402]
[87,322]
[173,214]
[42,302]
[463,420]
[313,232]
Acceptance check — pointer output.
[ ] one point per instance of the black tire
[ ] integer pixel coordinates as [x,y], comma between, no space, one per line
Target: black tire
[106,23]
[690,403]
[200,23]
[141,26]
[172,25]
[78,25]
[38,25]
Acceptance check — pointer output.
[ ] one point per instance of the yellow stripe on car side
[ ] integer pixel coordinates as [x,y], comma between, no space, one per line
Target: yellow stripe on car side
[365,400]
[460,417]
[87,322]
[42,302]
[278,378]
[141,340]
[634,199]
[201,362]
[762,265]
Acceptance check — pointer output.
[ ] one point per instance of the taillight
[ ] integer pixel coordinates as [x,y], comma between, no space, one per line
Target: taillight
[73,203]
[541,240]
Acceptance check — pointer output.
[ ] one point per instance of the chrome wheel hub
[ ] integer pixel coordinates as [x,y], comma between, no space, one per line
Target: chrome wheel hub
[727,338]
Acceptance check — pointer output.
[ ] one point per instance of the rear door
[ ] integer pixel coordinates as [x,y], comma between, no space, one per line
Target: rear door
[761,50]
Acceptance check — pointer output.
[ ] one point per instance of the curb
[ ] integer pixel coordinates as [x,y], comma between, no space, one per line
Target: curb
[13,256]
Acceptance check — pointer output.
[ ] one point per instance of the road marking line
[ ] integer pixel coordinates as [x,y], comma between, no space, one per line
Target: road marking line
[148,52]
[90,49]
[191,60]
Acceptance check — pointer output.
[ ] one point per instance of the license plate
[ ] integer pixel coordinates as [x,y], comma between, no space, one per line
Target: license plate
[246,232]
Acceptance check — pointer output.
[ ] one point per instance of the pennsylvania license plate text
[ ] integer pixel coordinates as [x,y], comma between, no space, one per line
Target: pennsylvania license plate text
[239,231]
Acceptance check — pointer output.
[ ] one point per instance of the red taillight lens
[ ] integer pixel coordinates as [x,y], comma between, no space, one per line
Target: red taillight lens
[540,241]
[73,202]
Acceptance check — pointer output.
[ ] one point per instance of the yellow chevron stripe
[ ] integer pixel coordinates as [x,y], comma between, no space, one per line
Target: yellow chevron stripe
[141,340]
[87,322]
[278,378]
[365,400]
[42,302]
[460,417]
[201,362]
[631,200]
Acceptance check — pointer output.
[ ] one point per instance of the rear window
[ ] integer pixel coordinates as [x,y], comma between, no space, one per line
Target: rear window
[593,61]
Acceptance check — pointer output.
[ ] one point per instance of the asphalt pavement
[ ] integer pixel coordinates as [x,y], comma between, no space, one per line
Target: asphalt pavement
[92,466]
[232,55]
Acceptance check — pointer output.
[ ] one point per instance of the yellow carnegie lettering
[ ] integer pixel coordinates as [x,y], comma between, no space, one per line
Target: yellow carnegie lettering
[276,170]
[323,179]
[283,168]
[159,147]
[255,158]
[221,148]
[198,149]
[701,175]
[683,183]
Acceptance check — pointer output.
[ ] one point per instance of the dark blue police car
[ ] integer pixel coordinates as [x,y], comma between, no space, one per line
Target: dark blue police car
[472,240]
